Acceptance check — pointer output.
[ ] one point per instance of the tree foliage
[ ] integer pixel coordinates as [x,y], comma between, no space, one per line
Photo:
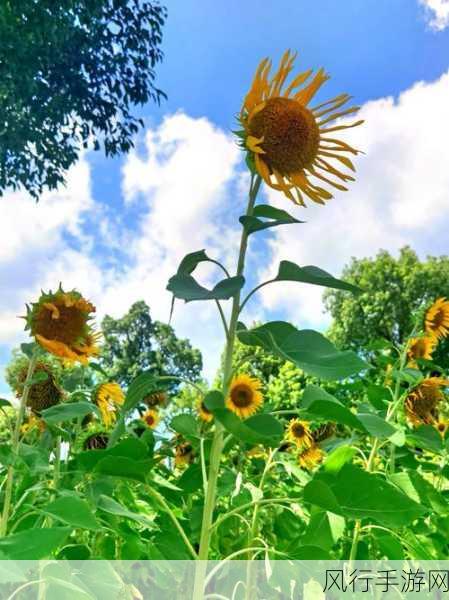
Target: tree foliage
[393,290]
[70,72]
[135,343]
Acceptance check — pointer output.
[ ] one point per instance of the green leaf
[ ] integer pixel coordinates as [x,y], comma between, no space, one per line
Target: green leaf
[289,271]
[307,349]
[191,261]
[274,215]
[120,466]
[191,480]
[325,529]
[5,402]
[186,425]
[68,411]
[319,403]
[28,349]
[33,544]
[259,429]
[389,546]
[420,490]
[318,493]
[187,288]
[426,437]
[376,426]
[73,511]
[378,396]
[109,505]
[337,458]
[139,387]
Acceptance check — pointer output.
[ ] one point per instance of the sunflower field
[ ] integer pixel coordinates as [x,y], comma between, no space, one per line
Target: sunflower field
[341,454]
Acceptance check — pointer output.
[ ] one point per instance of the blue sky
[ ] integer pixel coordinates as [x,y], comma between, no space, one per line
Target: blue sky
[121,226]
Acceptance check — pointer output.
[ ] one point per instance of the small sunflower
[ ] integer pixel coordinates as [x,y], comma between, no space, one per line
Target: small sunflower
[245,397]
[422,402]
[310,457]
[95,437]
[442,426]
[204,413]
[156,399]
[42,394]
[60,323]
[151,418]
[32,423]
[437,319]
[299,433]
[184,454]
[421,347]
[286,139]
[107,397]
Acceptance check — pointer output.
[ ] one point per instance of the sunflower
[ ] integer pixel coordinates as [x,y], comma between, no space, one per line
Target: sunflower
[155,399]
[151,418]
[204,413]
[422,402]
[310,457]
[107,397]
[437,319]
[285,138]
[60,323]
[32,422]
[44,392]
[421,347]
[442,426]
[94,437]
[244,397]
[323,432]
[184,454]
[298,432]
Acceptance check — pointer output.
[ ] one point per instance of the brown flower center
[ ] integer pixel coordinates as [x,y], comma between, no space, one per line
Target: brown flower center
[242,396]
[149,420]
[205,409]
[298,430]
[290,135]
[68,328]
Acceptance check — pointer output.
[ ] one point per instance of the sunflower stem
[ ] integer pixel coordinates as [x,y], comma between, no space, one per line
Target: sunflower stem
[218,439]
[15,444]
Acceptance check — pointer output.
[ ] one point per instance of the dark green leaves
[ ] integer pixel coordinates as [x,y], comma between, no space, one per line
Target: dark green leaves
[289,271]
[73,511]
[274,216]
[309,350]
[33,544]
[186,425]
[67,412]
[320,404]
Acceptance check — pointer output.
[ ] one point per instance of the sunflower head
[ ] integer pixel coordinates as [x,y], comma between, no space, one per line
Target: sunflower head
[107,397]
[421,347]
[244,397]
[32,423]
[310,457]
[204,413]
[286,139]
[421,404]
[150,418]
[442,426]
[94,437]
[61,323]
[323,432]
[156,399]
[44,392]
[184,454]
[299,433]
[436,321]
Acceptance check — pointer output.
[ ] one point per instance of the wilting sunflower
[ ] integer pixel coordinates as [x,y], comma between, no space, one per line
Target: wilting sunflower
[44,392]
[204,413]
[60,323]
[244,397]
[155,399]
[151,418]
[299,433]
[107,397]
[323,432]
[94,437]
[421,347]
[310,457]
[184,454]
[437,318]
[421,404]
[286,138]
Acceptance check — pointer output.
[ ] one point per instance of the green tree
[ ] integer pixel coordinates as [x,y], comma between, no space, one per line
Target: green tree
[135,343]
[393,290]
[70,72]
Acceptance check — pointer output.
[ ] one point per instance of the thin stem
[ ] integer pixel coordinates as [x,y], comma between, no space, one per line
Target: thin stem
[243,507]
[223,319]
[160,499]
[57,463]
[257,288]
[15,444]
[203,466]
[224,269]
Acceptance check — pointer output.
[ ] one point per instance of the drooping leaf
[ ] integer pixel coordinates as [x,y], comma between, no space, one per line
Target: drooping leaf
[120,466]
[185,287]
[33,544]
[308,349]
[325,529]
[274,217]
[73,511]
[337,458]
[113,507]
[426,437]
[289,271]
[376,426]
[68,411]
[319,403]
[420,490]
[142,385]
[186,425]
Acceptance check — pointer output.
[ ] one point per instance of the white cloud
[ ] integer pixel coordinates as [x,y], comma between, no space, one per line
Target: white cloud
[438,13]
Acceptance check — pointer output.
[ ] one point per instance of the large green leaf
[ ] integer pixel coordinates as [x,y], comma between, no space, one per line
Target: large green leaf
[73,511]
[376,426]
[320,404]
[289,271]
[120,466]
[68,411]
[111,506]
[185,287]
[185,424]
[308,349]
[357,494]
[420,490]
[325,529]
[426,437]
[130,448]
[274,216]
[33,544]
[139,387]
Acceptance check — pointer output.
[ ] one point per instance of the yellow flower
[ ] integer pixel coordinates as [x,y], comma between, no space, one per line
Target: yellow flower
[155,399]
[422,402]
[244,397]
[42,394]
[108,396]
[442,425]
[150,418]
[437,318]
[184,454]
[310,457]
[421,347]
[204,412]
[298,432]
[60,323]
[286,138]
[33,422]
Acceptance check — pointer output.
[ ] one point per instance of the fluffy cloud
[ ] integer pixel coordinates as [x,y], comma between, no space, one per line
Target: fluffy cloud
[438,12]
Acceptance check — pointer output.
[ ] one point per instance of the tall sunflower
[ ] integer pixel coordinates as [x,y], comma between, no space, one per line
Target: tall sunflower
[245,397]
[107,397]
[299,433]
[287,139]
[437,318]
[421,404]
[61,323]
[421,347]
